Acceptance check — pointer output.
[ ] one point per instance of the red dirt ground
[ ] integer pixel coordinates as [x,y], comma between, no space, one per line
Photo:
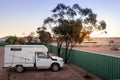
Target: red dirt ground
[69,72]
[100,50]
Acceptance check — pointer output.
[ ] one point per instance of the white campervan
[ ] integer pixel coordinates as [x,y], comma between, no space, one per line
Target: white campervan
[23,56]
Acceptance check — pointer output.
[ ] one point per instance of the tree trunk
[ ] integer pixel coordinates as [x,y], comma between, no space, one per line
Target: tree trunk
[66,51]
[69,52]
[58,49]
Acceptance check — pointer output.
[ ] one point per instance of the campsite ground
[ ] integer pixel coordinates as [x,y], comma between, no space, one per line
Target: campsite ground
[105,50]
[69,72]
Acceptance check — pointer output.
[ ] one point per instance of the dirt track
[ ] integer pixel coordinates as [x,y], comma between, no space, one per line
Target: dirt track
[69,72]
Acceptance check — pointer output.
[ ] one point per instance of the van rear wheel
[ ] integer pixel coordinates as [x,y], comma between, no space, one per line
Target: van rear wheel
[19,68]
[55,67]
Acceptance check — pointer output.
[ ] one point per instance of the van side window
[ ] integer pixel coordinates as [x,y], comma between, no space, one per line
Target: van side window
[16,49]
[42,55]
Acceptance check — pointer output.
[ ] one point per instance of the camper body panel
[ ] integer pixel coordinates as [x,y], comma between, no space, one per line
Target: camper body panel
[21,55]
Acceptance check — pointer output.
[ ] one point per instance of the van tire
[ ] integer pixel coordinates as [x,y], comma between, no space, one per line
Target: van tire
[19,68]
[55,67]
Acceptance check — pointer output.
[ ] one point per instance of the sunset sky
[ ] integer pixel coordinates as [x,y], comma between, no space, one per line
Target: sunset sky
[25,16]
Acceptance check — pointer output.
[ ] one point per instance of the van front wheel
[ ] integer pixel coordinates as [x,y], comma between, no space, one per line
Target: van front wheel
[55,67]
[19,68]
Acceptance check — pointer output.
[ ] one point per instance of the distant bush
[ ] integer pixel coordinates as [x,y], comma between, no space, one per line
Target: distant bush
[114,48]
[15,40]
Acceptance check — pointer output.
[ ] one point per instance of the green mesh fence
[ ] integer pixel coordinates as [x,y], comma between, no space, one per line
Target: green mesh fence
[3,43]
[103,66]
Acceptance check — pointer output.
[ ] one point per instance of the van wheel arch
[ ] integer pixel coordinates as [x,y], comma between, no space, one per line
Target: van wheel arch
[55,67]
[19,68]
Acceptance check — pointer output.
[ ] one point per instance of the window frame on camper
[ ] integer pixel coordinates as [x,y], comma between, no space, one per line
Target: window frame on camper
[16,49]
[41,55]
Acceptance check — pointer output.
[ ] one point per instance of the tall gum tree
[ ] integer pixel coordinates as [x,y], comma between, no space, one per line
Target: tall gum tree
[72,25]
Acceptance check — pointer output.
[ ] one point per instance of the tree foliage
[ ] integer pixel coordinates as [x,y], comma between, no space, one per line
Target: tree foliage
[30,37]
[15,40]
[44,36]
[72,25]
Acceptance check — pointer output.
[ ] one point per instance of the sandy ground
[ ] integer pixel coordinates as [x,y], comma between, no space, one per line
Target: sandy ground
[100,50]
[105,50]
[69,72]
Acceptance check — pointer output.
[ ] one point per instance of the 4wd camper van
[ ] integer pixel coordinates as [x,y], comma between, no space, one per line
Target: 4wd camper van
[23,56]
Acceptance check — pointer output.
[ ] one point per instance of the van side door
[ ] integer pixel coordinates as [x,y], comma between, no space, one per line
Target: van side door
[43,61]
